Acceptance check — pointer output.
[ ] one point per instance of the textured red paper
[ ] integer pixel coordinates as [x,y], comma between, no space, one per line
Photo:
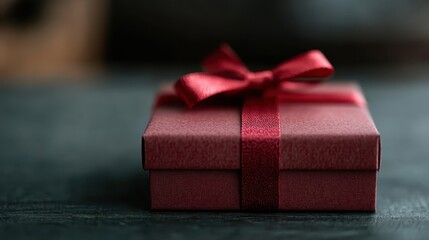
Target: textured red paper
[313,135]
[329,154]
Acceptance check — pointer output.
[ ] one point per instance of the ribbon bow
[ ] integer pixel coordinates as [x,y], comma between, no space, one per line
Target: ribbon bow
[260,123]
[226,73]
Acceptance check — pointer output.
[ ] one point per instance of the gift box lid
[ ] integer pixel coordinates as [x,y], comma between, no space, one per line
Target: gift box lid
[313,136]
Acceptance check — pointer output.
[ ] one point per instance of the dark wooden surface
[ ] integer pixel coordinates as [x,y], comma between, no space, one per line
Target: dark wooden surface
[70,167]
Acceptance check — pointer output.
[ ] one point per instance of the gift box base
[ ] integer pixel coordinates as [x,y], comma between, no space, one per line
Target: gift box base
[298,190]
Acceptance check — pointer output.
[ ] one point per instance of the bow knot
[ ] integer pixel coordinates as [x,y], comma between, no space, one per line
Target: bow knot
[259,80]
[226,73]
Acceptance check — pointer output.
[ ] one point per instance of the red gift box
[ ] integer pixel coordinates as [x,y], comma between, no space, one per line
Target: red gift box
[328,154]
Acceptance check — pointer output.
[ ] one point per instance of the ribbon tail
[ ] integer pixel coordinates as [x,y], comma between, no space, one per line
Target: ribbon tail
[196,87]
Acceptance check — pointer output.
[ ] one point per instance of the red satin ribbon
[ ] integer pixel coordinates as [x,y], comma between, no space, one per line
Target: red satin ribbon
[260,130]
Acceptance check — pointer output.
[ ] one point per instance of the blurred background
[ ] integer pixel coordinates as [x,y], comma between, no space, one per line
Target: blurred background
[78,79]
[44,38]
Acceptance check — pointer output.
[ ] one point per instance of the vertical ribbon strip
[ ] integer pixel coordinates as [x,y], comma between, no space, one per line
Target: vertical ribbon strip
[260,156]
[260,129]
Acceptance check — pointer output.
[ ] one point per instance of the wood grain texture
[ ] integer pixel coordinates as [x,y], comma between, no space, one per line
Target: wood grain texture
[70,168]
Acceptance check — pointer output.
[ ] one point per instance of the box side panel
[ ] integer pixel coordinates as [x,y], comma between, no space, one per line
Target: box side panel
[327,190]
[298,190]
[195,190]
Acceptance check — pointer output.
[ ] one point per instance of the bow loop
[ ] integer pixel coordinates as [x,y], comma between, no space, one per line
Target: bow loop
[227,73]
[309,66]
[224,61]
